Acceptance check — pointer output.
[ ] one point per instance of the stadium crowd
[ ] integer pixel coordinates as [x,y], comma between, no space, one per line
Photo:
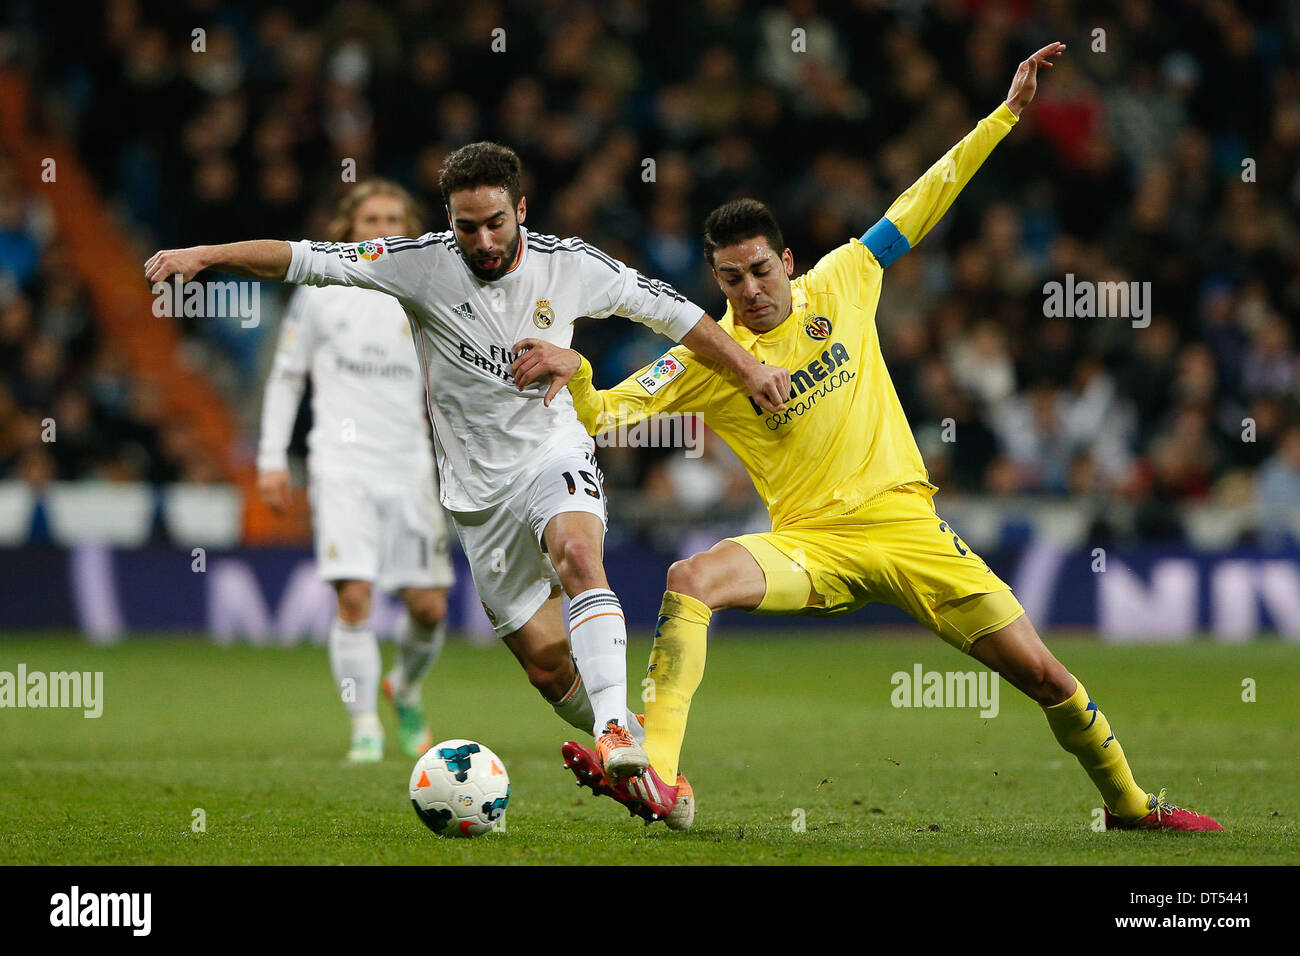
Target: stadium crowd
[1164,150]
[68,407]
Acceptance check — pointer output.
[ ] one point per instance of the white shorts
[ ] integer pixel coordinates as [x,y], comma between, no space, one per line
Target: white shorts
[512,573]
[393,534]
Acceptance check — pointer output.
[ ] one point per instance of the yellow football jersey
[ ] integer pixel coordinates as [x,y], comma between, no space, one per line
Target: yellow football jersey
[843,438]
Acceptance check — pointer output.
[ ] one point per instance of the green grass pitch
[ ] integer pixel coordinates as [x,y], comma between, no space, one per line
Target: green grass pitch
[783,723]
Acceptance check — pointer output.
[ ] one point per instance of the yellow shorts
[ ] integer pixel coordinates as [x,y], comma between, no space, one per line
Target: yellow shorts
[894,549]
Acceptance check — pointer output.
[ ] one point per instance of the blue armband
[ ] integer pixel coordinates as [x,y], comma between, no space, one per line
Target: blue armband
[885,242]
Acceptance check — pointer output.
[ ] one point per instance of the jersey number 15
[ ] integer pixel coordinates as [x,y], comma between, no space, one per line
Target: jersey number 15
[592,489]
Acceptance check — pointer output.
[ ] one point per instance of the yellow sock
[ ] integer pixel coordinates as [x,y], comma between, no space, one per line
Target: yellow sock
[1083,730]
[676,669]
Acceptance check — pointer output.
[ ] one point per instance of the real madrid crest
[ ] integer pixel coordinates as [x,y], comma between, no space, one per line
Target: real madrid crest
[543,314]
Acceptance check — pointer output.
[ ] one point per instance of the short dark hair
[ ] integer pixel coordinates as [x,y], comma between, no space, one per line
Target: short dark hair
[481,164]
[737,221]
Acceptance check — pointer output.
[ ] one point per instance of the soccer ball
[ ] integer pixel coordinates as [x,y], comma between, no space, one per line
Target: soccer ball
[460,789]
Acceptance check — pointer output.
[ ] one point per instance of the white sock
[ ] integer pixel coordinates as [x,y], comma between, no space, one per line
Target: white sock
[418,649]
[598,635]
[575,708]
[354,658]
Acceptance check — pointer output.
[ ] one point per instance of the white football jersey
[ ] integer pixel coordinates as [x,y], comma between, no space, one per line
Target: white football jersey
[488,435]
[368,408]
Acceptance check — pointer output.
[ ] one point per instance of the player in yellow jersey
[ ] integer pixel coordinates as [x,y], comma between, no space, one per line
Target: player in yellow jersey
[848,494]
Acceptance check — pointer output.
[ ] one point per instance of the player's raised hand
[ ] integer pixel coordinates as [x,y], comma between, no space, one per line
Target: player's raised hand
[769,385]
[165,263]
[1025,83]
[538,359]
[273,486]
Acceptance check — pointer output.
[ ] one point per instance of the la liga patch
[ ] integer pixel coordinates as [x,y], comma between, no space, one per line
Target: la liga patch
[661,373]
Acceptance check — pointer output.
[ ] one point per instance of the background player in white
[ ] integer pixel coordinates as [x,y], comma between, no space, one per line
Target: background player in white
[370,464]
[515,465]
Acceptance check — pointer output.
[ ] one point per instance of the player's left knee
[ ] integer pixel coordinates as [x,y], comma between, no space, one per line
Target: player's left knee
[690,577]
[579,564]
[1058,683]
[1047,681]
[551,674]
[354,601]
[426,607]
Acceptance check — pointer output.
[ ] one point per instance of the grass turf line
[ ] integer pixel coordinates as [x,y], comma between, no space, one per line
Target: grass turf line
[782,723]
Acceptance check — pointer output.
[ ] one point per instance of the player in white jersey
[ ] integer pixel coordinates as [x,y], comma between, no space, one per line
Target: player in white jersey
[370,466]
[516,467]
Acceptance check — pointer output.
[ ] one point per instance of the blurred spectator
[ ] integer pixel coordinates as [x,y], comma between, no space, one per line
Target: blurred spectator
[1269,368]
[713,479]
[1033,431]
[982,366]
[1277,484]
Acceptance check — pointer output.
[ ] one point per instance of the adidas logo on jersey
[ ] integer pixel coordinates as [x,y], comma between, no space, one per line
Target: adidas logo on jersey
[463,311]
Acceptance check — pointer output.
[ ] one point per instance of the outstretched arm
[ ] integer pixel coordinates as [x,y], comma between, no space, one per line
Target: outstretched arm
[710,350]
[255,259]
[396,265]
[1025,83]
[767,385]
[678,381]
[614,288]
[916,212]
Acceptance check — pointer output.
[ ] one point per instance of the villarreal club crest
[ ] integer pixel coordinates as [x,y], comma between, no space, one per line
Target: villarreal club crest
[818,328]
